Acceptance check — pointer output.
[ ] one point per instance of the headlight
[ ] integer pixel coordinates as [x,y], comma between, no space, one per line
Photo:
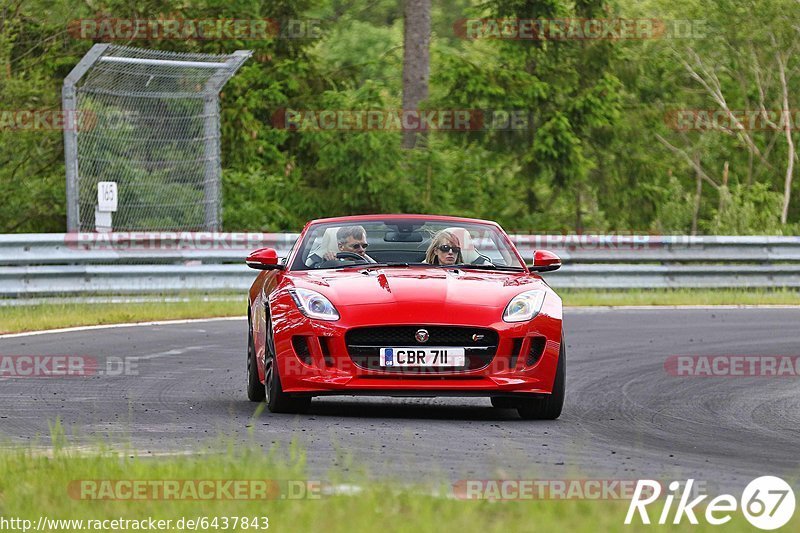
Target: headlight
[313,304]
[524,306]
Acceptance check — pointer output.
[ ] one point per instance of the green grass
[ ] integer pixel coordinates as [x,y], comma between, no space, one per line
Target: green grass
[59,315]
[15,319]
[33,484]
[589,297]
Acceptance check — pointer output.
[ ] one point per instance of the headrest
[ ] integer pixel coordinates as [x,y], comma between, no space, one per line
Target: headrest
[327,243]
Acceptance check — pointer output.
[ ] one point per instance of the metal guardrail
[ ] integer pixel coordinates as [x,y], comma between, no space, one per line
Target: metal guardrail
[141,263]
[136,247]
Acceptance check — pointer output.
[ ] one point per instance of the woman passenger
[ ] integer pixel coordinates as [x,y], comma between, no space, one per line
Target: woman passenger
[444,249]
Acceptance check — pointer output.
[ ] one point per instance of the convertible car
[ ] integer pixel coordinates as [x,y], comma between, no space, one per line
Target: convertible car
[405,305]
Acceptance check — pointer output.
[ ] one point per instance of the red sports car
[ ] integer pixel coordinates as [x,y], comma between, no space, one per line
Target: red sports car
[405,305]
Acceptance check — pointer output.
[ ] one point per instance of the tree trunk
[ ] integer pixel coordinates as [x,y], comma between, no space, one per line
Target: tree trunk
[416,63]
[787,184]
[698,195]
[787,128]
[723,191]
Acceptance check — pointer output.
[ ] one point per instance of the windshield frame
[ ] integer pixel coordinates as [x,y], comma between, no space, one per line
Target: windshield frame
[295,261]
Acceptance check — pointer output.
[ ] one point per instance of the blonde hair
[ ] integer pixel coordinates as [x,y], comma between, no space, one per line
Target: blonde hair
[442,237]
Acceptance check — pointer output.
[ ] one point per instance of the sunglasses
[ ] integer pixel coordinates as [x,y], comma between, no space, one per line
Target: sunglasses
[446,248]
[359,246]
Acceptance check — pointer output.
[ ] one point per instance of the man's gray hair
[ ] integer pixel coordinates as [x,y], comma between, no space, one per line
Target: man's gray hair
[356,232]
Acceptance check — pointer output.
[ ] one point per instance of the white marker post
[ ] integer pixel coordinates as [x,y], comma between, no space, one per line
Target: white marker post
[106,204]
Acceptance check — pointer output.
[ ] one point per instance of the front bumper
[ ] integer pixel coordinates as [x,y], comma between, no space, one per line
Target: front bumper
[313,358]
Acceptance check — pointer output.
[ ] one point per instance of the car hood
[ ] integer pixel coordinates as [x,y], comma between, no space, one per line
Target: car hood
[417,284]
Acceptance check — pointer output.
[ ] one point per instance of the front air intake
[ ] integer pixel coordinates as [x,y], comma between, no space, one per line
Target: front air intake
[301,348]
[536,350]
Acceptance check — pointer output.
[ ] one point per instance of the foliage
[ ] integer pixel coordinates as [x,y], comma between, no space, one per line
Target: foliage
[596,153]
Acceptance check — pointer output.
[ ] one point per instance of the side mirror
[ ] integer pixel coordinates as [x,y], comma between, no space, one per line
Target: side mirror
[264,259]
[545,261]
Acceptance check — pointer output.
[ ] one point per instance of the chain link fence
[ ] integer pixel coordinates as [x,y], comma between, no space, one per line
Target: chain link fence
[147,120]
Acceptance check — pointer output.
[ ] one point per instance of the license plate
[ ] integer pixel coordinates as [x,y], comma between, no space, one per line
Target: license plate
[421,357]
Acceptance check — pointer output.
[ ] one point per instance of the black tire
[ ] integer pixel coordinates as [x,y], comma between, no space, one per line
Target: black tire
[548,408]
[255,389]
[277,400]
[504,402]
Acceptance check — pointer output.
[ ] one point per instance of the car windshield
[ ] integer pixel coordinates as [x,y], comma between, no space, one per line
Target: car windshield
[405,241]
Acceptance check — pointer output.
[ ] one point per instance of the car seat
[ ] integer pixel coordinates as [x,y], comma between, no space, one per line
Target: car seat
[327,243]
[468,251]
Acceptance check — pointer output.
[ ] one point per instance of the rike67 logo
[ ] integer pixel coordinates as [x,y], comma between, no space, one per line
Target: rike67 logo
[767,502]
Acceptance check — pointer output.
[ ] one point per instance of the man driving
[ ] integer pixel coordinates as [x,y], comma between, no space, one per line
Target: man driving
[351,239]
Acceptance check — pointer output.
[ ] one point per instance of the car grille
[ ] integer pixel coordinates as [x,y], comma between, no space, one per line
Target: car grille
[364,344]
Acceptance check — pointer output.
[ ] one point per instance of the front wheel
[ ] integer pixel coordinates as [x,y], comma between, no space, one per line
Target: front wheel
[548,408]
[277,400]
[255,389]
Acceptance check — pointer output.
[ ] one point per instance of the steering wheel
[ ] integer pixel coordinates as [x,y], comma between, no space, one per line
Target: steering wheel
[351,256]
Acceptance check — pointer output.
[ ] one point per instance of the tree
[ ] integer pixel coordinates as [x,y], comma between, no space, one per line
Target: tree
[416,59]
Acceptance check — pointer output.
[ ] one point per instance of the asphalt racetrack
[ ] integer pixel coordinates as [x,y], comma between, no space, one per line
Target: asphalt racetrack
[626,417]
